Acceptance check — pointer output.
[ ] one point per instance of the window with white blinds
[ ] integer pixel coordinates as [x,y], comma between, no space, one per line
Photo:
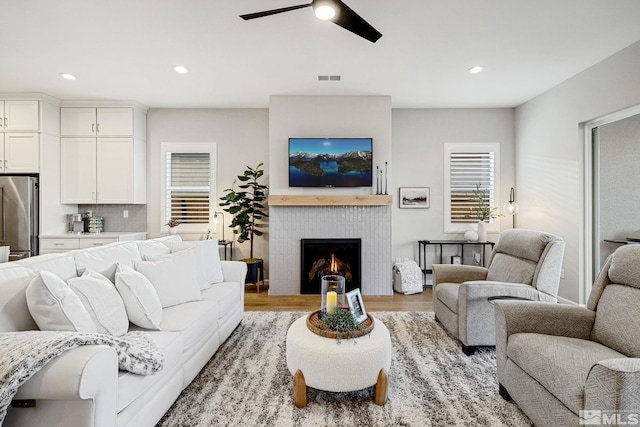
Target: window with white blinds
[188,171]
[468,165]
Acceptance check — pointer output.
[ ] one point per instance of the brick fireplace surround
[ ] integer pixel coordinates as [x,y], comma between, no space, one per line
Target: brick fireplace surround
[293,218]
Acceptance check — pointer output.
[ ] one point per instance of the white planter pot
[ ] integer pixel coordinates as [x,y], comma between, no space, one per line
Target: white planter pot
[482,231]
[172,231]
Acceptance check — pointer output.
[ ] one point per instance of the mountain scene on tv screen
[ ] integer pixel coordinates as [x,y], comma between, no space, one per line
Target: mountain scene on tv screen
[340,170]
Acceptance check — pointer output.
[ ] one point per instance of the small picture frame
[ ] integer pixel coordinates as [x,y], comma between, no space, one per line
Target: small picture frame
[414,198]
[456,259]
[356,306]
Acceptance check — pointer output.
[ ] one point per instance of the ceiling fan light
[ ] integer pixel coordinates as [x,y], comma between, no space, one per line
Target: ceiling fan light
[324,11]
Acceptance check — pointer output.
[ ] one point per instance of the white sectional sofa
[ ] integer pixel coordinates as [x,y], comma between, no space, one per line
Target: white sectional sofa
[83,386]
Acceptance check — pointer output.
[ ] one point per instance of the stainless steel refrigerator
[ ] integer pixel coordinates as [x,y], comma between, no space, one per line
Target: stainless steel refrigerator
[19,222]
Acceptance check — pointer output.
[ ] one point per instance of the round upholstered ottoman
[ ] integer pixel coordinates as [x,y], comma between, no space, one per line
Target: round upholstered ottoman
[326,364]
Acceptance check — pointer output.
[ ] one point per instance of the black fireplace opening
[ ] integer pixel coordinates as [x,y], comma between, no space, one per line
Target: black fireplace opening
[320,257]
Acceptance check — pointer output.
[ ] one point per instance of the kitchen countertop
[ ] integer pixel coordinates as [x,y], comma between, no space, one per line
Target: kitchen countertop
[103,235]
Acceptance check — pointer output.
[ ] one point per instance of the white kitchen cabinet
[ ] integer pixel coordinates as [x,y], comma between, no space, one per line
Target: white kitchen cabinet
[98,170]
[92,243]
[102,121]
[19,116]
[57,243]
[19,152]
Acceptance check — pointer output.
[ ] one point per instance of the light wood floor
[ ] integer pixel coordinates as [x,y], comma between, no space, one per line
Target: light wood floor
[262,301]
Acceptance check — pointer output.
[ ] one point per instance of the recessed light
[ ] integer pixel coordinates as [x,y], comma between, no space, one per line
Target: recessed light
[180,69]
[67,76]
[477,69]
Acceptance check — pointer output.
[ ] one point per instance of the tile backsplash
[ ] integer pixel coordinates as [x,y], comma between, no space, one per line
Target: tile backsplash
[113,216]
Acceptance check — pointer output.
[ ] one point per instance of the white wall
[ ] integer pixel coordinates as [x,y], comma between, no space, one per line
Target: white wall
[418,161]
[320,116]
[549,150]
[242,138]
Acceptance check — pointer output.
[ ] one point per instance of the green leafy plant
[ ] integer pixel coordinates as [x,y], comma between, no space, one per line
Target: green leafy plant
[483,211]
[342,322]
[246,205]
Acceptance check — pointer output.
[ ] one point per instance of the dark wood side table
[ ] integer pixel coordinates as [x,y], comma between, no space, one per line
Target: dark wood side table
[225,244]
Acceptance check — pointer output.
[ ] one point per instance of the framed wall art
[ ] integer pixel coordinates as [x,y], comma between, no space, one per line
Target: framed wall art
[414,197]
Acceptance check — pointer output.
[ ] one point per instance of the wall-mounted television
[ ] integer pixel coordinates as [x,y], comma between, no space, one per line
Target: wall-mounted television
[330,162]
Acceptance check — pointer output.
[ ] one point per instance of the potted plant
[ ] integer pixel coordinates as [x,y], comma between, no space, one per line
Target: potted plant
[173,225]
[482,211]
[246,205]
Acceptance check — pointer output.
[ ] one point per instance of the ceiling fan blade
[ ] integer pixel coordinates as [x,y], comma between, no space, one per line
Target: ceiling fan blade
[349,20]
[272,12]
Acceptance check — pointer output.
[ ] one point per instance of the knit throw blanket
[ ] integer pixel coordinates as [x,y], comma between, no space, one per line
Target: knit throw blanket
[411,276]
[23,354]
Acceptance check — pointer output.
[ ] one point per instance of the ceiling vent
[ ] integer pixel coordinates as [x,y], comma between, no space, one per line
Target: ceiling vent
[329,78]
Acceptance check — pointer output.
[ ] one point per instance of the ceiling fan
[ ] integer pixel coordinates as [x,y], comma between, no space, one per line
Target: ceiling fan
[333,10]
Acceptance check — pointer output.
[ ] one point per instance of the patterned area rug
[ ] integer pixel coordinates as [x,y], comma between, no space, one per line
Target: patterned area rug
[431,382]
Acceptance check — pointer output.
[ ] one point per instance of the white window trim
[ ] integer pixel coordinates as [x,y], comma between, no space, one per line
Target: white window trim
[468,147]
[188,147]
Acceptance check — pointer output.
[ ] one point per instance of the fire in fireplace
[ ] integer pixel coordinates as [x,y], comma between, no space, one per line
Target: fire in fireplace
[320,257]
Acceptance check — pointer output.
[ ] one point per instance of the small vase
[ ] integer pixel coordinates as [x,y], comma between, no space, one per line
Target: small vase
[482,231]
[172,231]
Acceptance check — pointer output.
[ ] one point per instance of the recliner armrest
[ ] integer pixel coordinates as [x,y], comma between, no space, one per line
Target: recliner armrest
[544,318]
[613,385]
[513,317]
[454,273]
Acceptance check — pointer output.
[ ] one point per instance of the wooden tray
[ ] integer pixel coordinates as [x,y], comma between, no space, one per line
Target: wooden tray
[314,323]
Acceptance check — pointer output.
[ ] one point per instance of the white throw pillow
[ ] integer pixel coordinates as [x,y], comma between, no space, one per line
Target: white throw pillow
[174,277]
[208,260]
[102,301]
[55,307]
[140,297]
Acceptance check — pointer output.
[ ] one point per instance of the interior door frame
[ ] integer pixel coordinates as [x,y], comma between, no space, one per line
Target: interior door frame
[591,236]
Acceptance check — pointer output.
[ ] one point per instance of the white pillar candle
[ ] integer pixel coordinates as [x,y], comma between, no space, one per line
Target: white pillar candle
[332,302]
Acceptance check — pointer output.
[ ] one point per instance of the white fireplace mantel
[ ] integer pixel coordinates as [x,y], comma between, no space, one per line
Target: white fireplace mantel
[330,200]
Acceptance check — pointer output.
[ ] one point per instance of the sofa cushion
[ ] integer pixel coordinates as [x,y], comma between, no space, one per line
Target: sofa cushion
[104,259]
[227,294]
[194,320]
[173,277]
[140,298]
[508,268]
[209,267]
[131,386]
[102,301]
[14,315]
[62,265]
[617,323]
[448,294]
[152,247]
[55,307]
[559,364]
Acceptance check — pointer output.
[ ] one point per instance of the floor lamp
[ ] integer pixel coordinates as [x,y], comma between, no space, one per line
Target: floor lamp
[215,221]
[511,207]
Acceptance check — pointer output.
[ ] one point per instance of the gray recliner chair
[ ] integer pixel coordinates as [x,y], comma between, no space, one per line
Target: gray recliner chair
[524,264]
[570,365]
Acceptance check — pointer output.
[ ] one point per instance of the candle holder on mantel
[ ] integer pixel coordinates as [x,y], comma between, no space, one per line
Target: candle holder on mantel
[333,294]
